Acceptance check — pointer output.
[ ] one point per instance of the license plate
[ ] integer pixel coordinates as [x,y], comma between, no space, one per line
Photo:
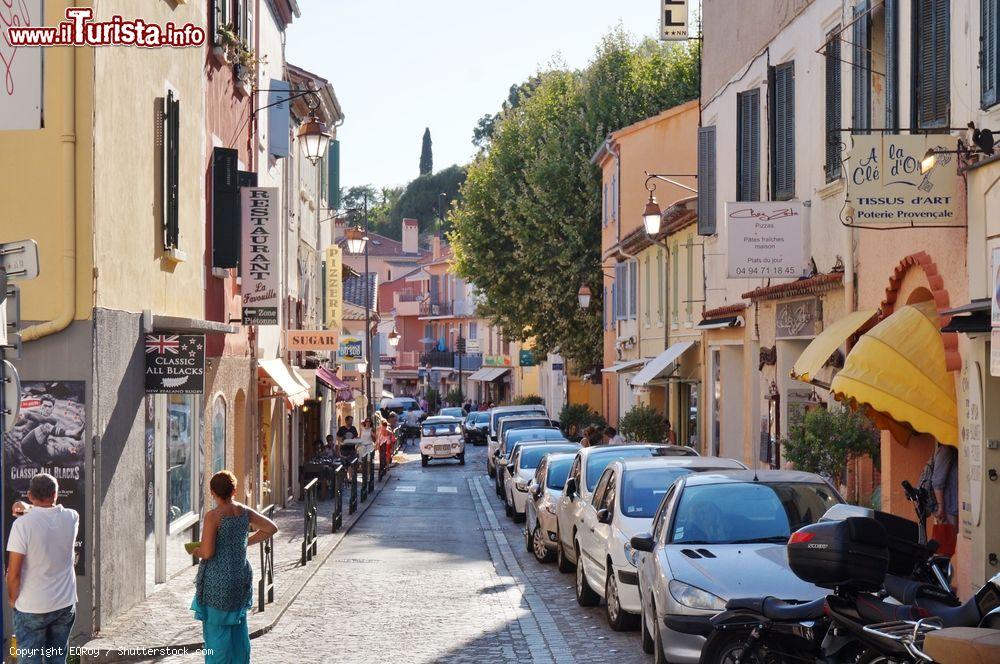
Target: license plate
[442,448]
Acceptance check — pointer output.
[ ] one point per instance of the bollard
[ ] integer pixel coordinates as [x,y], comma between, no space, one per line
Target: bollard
[337,518]
[309,543]
[364,478]
[265,587]
[371,472]
[383,466]
[352,505]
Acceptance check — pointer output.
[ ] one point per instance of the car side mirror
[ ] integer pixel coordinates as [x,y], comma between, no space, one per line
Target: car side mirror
[501,461]
[533,488]
[604,515]
[571,487]
[642,542]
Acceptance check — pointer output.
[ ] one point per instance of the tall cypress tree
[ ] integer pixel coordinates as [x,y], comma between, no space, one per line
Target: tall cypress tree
[426,156]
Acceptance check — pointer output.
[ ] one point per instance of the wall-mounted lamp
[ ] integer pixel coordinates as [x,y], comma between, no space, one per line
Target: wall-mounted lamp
[583,296]
[652,215]
[356,240]
[393,338]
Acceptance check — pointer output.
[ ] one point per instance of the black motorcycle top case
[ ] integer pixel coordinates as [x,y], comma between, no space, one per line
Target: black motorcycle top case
[905,550]
[850,553]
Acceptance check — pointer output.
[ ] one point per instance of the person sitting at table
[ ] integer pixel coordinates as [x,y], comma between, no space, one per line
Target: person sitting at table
[332,446]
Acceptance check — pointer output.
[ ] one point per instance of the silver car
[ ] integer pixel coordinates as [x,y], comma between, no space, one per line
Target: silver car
[540,514]
[521,468]
[718,536]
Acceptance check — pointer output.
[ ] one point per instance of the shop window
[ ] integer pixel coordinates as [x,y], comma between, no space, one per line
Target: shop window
[218,435]
[182,431]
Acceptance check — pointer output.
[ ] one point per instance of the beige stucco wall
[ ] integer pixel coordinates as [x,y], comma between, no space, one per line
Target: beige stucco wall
[132,271]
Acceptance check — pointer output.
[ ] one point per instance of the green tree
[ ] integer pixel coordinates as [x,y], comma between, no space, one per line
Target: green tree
[643,424]
[581,415]
[824,441]
[527,231]
[419,199]
[486,125]
[426,154]
[529,400]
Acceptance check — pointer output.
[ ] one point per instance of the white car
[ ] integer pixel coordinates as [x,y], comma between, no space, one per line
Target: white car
[521,468]
[497,414]
[623,504]
[590,462]
[441,438]
[509,439]
[540,514]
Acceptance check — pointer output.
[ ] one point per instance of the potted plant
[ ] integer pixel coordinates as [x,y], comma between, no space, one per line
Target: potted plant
[226,43]
[642,424]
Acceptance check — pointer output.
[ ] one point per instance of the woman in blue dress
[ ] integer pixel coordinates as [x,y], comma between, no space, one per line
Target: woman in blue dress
[224,585]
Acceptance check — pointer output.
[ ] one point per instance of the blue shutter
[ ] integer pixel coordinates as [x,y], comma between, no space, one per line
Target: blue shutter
[706,181]
[333,175]
[834,94]
[861,82]
[892,64]
[278,118]
[988,51]
[633,288]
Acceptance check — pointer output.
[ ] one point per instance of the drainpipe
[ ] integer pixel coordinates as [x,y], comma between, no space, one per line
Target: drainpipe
[68,162]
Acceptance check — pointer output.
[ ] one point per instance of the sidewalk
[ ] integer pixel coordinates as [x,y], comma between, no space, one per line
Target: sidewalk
[165,621]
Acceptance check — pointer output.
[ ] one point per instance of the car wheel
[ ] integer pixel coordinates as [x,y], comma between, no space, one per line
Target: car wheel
[507,509]
[647,638]
[585,595]
[490,471]
[542,552]
[658,655]
[562,563]
[461,459]
[619,620]
[527,540]
[423,459]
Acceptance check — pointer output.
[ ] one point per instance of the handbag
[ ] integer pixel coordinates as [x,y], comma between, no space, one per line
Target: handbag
[945,534]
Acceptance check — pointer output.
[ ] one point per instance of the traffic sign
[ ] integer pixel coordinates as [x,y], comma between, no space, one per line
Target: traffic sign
[19,259]
[11,396]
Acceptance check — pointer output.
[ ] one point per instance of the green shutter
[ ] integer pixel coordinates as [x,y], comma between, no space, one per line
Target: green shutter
[988,51]
[748,146]
[783,131]
[706,181]
[834,94]
[333,175]
[892,64]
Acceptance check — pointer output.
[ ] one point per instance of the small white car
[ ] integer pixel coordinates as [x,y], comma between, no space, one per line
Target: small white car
[623,504]
[540,514]
[521,468]
[441,438]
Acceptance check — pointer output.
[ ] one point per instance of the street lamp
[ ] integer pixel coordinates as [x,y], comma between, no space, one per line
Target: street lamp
[583,296]
[357,242]
[362,367]
[315,137]
[393,338]
[652,215]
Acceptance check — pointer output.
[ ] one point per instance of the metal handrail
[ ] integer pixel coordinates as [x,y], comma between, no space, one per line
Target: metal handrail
[337,517]
[265,587]
[309,540]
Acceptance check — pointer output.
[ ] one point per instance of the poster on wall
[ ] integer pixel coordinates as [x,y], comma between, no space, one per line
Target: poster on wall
[885,183]
[766,240]
[175,363]
[49,437]
[20,68]
[351,349]
[971,446]
[259,256]
[995,299]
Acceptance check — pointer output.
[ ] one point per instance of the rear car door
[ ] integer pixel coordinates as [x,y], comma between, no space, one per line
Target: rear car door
[590,556]
[566,511]
[602,532]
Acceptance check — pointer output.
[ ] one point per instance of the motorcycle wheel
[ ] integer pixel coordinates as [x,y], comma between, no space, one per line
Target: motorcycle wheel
[726,647]
[872,657]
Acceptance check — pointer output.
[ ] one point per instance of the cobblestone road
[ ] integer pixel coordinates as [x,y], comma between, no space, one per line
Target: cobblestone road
[435,572]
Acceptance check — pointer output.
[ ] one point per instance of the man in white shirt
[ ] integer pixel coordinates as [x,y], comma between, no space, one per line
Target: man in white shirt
[41,581]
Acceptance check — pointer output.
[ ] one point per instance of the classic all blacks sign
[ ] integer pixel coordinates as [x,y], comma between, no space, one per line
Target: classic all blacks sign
[175,363]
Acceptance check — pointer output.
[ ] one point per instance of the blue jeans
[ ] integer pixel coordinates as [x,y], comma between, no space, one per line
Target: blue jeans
[43,638]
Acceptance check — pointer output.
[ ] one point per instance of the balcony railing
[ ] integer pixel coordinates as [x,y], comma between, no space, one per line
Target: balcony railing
[435,308]
[447,358]
[408,359]
[410,296]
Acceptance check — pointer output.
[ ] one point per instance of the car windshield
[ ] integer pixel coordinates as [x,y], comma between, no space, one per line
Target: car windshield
[531,456]
[598,461]
[482,417]
[527,424]
[439,428]
[558,472]
[643,490]
[499,417]
[748,512]
[452,412]
[534,434]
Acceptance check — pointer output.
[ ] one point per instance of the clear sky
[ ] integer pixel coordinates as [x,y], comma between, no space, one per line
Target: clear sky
[398,66]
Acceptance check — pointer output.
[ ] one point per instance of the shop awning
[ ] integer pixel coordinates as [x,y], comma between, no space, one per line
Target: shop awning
[898,371]
[661,364]
[330,379]
[618,367]
[826,344]
[720,323]
[488,374]
[284,377]
[972,318]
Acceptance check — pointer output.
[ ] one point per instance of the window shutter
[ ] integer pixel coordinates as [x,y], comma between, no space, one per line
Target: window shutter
[834,93]
[861,97]
[988,51]
[333,175]
[171,172]
[278,118]
[633,287]
[783,131]
[891,19]
[933,60]
[748,146]
[225,208]
[706,181]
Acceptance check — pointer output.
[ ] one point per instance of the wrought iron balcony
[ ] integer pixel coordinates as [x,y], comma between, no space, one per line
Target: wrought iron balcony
[429,308]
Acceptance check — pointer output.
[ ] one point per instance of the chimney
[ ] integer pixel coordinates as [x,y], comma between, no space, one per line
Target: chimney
[410,232]
[436,247]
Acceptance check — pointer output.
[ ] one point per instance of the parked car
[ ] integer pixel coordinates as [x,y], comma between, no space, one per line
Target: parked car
[677,450]
[540,514]
[496,415]
[453,411]
[476,426]
[521,468]
[407,410]
[513,436]
[717,536]
[441,438]
[505,467]
[583,476]
[623,504]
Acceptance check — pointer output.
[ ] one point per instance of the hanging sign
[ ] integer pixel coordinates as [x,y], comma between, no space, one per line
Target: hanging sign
[259,261]
[798,319]
[334,288]
[296,340]
[175,363]
[766,240]
[885,184]
[673,20]
[20,68]
[351,349]
[526,358]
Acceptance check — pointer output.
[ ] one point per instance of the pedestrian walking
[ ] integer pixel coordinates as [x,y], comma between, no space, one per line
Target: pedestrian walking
[224,584]
[572,433]
[671,435]
[365,438]
[41,581]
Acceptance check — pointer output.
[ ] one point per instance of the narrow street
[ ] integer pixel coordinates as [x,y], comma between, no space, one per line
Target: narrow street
[435,572]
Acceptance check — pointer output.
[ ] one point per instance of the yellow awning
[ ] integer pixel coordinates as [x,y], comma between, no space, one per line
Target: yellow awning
[898,371]
[294,388]
[829,340]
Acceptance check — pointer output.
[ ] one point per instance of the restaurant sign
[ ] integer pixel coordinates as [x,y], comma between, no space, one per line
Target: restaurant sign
[259,264]
[296,340]
[334,290]
[886,186]
[175,363]
[351,349]
[798,319]
[766,239]
[497,361]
